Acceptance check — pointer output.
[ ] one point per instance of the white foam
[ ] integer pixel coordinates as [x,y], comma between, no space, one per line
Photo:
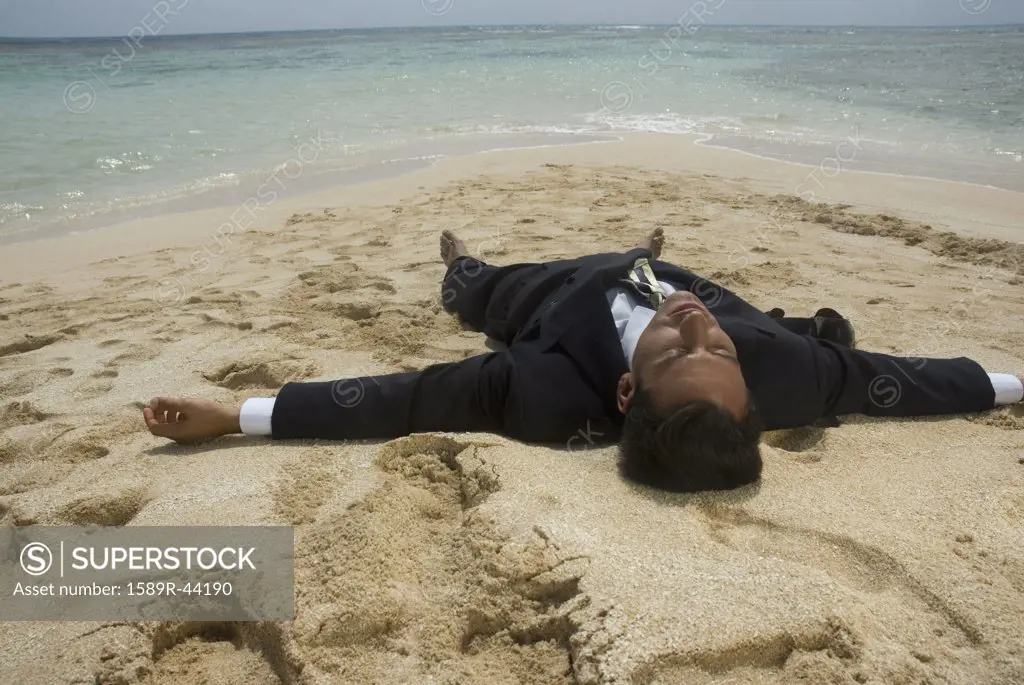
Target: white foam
[668,122]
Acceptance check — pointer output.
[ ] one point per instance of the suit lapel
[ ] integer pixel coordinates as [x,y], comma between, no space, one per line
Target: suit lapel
[581,324]
[590,339]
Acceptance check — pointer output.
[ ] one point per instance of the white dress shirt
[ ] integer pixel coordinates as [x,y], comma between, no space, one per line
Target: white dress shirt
[631,317]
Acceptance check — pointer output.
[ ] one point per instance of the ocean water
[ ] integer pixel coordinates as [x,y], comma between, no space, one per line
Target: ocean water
[98,129]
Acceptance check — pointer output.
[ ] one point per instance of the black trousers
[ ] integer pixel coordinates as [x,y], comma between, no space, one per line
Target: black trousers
[496,300]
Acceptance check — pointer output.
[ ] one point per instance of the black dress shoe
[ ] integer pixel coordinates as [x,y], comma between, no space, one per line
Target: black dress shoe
[832,326]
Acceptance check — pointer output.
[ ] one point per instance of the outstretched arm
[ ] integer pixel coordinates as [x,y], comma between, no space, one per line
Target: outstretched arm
[884,385]
[463,396]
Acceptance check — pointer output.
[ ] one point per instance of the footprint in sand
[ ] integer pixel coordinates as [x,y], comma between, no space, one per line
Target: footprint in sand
[261,374]
[57,442]
[355,299]
[48,441]
[21,414]
[334,279]
[825,653]
[135,353]
[28,343]
[400,335]
[116,509]
[78,448]
[22,382]
[93,389]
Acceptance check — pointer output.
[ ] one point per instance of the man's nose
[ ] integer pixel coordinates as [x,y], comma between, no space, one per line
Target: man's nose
[693,329]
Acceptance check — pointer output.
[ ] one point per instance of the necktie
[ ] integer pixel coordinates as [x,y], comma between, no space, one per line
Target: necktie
[645,283]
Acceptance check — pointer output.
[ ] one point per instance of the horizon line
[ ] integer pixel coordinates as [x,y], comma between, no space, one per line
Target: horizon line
[470,26]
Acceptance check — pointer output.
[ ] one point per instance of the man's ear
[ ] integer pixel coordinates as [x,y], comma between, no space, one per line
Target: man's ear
[624,393]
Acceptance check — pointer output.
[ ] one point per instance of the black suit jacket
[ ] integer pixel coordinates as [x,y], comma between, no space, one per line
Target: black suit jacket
[556,382]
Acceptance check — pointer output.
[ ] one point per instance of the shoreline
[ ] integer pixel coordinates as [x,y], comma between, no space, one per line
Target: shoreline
[358,168]
[372,166]
[737,145]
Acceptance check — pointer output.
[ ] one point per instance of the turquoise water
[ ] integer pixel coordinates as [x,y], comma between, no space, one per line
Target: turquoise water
[93,126]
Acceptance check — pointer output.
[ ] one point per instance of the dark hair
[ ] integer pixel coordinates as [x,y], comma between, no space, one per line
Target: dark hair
[699,447]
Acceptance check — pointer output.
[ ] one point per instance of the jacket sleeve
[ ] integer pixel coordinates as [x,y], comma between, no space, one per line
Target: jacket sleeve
[465,396]
[858,382]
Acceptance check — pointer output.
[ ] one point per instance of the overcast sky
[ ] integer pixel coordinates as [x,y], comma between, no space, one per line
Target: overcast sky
[37,18]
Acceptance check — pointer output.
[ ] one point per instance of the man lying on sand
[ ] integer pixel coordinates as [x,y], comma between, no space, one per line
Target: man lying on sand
[681,371]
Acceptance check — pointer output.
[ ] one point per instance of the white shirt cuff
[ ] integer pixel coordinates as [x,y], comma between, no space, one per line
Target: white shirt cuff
[254,418]
[1009,389]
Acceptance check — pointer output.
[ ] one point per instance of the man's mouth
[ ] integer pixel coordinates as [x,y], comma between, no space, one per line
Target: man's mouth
[684,307]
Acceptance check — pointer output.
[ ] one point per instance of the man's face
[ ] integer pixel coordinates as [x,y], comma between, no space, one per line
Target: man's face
[684,356]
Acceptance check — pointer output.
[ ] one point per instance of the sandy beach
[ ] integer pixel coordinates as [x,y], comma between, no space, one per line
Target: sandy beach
[876,552]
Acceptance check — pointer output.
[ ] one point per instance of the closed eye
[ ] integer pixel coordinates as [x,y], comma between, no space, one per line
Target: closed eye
[680,352]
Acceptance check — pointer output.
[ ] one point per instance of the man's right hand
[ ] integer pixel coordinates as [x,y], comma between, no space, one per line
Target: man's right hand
[186,420]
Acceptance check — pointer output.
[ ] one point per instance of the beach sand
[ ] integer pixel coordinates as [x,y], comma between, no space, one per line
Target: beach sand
[876,552]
